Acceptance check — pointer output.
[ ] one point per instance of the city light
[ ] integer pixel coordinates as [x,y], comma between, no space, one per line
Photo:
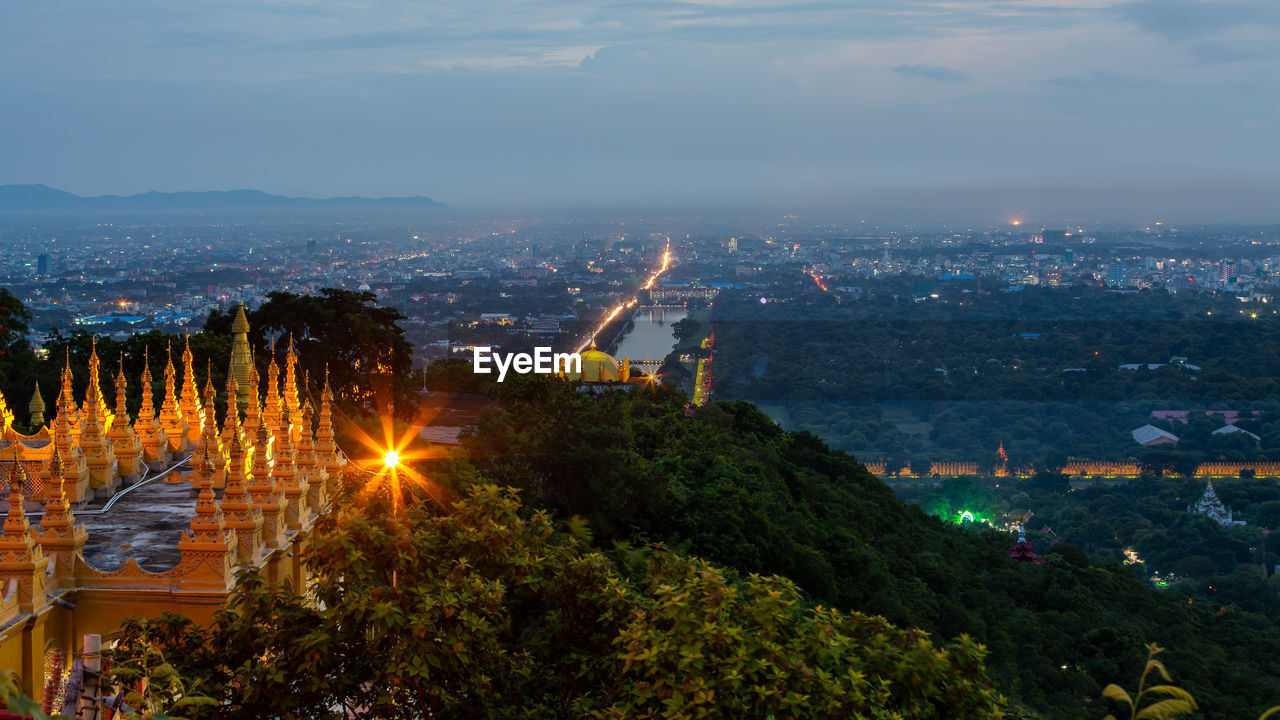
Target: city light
[391,459]
[666,262]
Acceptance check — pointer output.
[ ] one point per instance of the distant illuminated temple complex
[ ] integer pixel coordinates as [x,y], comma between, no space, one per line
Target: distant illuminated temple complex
[109,518]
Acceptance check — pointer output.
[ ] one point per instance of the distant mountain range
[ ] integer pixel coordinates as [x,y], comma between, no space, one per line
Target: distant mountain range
[44,199]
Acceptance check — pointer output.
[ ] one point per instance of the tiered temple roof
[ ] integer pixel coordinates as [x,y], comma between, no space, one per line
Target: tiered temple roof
[1210,505]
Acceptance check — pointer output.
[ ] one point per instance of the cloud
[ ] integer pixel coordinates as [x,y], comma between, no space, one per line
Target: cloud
[1184,19]
[1098,79]
[932,72]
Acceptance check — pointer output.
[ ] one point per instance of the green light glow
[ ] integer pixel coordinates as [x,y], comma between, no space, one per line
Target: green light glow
[966,516]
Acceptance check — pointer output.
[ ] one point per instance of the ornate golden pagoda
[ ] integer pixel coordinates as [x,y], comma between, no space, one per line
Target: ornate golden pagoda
[75,471]
[189,401]
[327,455]
[155,444]
[125,443]
[80,573]
[305,460]
[285,474]
[231,422]
[22,562]
[290,391]
[60,537]
[209,546]
[99,455]
[267,498]
[175,426]
[238,509]
[252,407]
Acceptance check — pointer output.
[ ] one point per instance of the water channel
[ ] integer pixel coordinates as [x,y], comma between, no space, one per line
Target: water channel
[652,337]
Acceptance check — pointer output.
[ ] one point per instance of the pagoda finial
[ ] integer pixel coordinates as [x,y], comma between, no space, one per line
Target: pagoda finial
[241,323]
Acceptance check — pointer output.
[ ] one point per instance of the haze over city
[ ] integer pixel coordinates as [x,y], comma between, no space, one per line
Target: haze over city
[904,110]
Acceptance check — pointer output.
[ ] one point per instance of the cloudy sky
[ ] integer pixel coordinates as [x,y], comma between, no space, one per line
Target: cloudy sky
[1079,108]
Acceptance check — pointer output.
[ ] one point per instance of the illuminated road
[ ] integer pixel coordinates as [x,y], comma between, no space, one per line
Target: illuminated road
[666,263]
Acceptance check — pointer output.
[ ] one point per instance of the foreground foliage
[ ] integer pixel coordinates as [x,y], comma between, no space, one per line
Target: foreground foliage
[481,612]
[1173,701]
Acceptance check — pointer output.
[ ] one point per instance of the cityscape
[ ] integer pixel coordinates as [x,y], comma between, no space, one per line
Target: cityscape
[684,360]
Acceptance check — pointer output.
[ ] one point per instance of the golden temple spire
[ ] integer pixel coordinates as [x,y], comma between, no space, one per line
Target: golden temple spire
[306,462]
[252,408]
[155,444]
[209,451]
[262,488]
[122,396]
[16,521]
[99,456]
[189,402]
[68,398]
[36,408]
[272,402]
[170,414]
[238,507]
[176,430]
[58,518]
[124,440]
[146,413]
[231,422]
[209,544]
[291,379]
[241,354]
[326,448]
[285,473]
[23,560]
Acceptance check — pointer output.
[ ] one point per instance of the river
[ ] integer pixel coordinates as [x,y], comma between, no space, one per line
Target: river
[652,337]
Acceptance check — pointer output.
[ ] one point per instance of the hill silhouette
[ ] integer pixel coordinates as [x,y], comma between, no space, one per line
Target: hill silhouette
[44,199]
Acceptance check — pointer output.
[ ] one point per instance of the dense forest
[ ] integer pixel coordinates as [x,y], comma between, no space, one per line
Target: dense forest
[950,377]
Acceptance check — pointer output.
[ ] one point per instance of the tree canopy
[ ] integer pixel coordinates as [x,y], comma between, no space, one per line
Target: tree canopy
[485,611]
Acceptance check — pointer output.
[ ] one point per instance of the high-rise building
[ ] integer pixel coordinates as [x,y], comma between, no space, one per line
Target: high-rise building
[1117,275]
[42,264]
[1226,272]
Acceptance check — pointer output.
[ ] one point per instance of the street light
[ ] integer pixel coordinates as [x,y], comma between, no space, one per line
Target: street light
[391,459]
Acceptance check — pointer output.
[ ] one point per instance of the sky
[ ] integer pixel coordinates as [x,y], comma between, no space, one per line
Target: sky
[1090,109]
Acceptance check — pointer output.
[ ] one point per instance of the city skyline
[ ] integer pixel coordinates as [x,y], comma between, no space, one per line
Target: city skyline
[1128,111]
